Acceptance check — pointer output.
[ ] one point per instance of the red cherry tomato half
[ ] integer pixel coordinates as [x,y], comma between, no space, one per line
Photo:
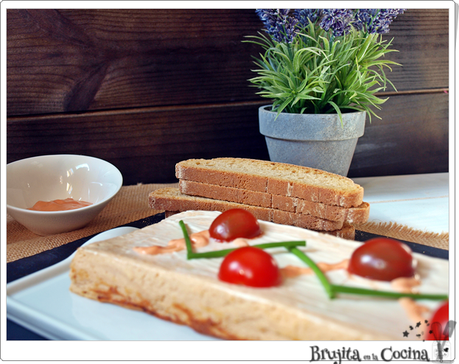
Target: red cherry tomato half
[382,259]
[233,224]
[250,266]
[438,323]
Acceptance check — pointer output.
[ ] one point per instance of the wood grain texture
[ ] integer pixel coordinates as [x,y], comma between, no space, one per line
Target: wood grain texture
[412,137]
[145,89]
[144,144]
[421,39]
[78,60]
[81,60]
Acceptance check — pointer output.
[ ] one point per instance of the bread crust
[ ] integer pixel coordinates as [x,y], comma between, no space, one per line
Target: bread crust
[170,199]
[357,215]
[273,178]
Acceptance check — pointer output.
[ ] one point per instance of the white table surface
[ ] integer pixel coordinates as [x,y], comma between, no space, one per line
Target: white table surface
[419,201]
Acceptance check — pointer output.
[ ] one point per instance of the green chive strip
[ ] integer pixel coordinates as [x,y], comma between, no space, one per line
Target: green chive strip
[332,289]
[387,294]
[189,249]
[224,252]
[311,264]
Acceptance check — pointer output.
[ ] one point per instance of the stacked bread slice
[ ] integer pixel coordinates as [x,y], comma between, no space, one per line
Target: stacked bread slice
[276,192]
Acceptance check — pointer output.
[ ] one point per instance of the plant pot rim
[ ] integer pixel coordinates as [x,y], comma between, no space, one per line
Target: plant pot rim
[265,108]
[322,127]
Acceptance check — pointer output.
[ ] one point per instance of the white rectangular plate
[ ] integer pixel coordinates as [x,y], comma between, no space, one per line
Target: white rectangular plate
[42,303]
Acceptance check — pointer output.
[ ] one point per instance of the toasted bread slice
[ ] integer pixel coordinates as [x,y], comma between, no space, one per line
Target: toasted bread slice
[357,215]
[273,178]
[170,199]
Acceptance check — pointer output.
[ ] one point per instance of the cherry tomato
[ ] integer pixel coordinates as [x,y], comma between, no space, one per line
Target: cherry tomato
[382,259]
[233,224]
[438,323]
[250,266]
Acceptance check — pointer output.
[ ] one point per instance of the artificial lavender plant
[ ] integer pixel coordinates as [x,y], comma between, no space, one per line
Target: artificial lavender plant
[324,60]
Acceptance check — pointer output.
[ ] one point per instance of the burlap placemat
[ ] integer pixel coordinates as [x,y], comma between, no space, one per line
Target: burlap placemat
[403,232]
[130,204]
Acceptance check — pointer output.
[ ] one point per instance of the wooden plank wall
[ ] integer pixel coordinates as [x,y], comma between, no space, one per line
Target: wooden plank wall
[144,89]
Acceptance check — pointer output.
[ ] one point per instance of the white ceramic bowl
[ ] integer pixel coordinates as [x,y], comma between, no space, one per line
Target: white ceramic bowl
[52,177]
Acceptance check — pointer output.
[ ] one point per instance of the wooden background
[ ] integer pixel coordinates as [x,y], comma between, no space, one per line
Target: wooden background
[144,89]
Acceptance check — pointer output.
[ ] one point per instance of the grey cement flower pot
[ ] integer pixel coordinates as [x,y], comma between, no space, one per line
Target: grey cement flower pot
[312,140]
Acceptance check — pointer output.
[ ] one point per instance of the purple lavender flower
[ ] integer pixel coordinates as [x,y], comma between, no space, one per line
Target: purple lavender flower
[270,16]
[305,16]
[363,17]
[338,20]
[283,28]
[376,20]
[384,19]
[278,24]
